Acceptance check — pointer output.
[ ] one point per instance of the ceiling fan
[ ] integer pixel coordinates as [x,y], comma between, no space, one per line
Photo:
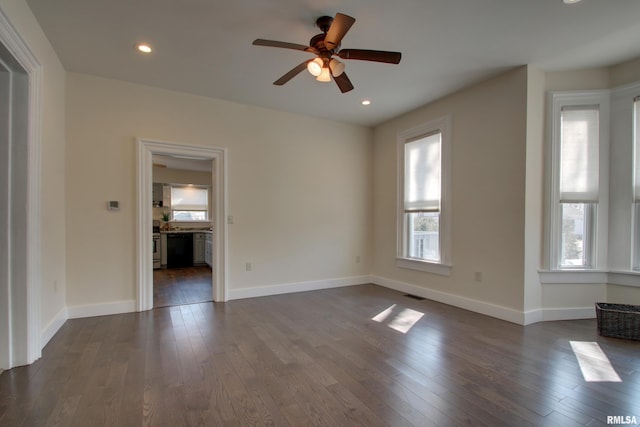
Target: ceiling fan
[326,46]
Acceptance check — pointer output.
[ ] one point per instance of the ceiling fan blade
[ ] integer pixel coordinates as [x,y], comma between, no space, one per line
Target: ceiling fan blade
[284,45]
[291,74]
[343,83]
[371,55]
[339,27]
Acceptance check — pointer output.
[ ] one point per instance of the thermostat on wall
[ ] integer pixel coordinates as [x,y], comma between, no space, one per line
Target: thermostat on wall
[113,205]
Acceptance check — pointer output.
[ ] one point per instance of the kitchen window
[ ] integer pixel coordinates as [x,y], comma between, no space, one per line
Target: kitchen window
[189,203]
[423,202]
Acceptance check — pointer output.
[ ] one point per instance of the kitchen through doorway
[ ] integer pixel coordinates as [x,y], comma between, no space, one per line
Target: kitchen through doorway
[182,211]
[182,230]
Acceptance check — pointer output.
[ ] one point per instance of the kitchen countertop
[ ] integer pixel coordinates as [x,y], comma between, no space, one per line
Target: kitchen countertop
[185,231]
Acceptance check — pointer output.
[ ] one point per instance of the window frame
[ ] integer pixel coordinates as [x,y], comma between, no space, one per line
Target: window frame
[597,253]
[635,204]
[443,266]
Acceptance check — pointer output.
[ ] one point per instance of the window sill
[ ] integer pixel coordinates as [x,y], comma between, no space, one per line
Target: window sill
[425,266]
[586,277]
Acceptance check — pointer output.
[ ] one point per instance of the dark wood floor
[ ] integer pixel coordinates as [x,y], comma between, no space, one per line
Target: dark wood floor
[318,358]
[178,286]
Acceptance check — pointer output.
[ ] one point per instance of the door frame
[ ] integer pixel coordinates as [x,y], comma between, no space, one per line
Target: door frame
[146,149]
[23,344]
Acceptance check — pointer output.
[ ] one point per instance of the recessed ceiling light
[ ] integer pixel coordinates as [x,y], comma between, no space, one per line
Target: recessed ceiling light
[366,102]
[571,1]
[144,48]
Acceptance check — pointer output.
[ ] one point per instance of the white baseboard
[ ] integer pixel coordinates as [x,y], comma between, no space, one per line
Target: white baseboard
[92,310]
[568,313]
[287,288]
[493,310]
[54,326]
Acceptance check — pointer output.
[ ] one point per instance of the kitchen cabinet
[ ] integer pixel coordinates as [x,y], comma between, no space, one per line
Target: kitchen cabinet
[163,249]
[199,248]
[158,195]
[208,250]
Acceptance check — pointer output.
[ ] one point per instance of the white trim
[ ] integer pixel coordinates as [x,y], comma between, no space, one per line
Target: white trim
[629,90]
[444,125]
[425,266]
[145,150]
[590,277]
[54,326]
[10,38]
[104,309]
[287,288]
[486,308]
[532,316]
[568,313]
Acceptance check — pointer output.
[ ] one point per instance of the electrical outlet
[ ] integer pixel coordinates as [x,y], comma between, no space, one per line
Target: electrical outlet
[230,219]
[247,266]
[358,259]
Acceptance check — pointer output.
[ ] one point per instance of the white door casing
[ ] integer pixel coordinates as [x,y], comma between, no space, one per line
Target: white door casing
[145,150]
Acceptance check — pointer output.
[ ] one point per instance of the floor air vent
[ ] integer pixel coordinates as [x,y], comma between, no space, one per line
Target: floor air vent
[414,297]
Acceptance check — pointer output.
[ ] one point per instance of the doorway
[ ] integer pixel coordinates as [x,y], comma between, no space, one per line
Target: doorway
[182,230]
[20,124]
[217,157]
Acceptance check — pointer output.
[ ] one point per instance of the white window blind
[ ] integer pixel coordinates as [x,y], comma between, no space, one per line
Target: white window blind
[636,144]
[579,159]
[189,198]
[422,174]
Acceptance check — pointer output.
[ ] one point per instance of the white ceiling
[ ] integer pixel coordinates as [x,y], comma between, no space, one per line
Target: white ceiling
[204,46]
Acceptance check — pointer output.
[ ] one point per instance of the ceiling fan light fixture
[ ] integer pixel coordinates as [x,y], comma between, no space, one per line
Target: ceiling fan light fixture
[144,48]
[337,67]
[315,67]
[325,75]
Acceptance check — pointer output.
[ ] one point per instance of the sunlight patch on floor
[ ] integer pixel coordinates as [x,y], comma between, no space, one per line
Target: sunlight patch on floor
[402,321]
[594,364]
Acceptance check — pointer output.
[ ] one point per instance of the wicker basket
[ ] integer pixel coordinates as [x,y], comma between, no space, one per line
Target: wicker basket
[618,320]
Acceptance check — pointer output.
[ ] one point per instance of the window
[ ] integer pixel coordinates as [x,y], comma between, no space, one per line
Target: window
[636,183]
[423,232]
[579,184]
[579,162]
[189,203]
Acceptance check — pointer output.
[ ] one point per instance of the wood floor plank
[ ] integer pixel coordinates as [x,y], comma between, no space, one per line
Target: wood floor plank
[318,358]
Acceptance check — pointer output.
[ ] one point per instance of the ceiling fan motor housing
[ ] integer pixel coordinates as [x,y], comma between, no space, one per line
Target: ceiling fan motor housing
[317,42]
[324,22]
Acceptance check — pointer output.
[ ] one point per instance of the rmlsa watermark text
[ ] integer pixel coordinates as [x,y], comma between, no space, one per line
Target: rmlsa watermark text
[622,420]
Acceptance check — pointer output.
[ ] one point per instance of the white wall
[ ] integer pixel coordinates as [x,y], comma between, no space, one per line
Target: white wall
[299,188]
[489,148]
[534,192]
[53,253]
